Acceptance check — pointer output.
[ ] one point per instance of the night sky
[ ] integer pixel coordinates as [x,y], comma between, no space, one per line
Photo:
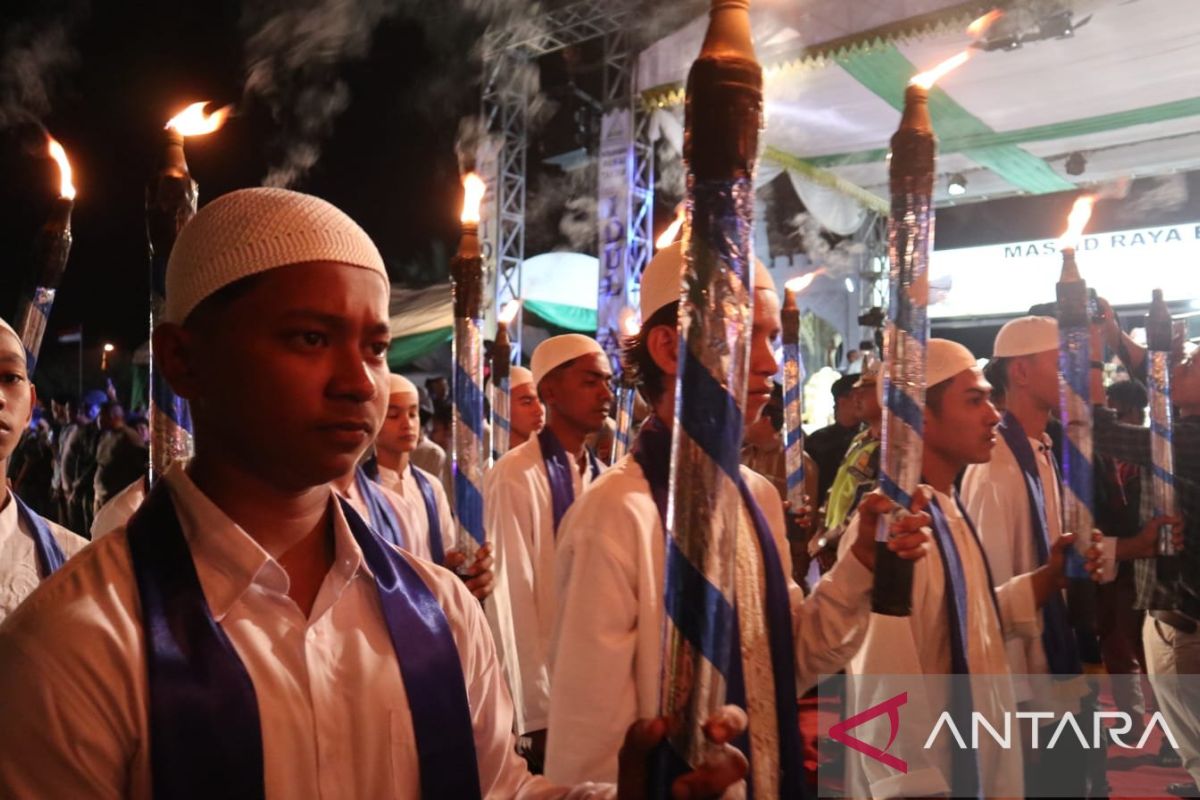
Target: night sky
[388,159]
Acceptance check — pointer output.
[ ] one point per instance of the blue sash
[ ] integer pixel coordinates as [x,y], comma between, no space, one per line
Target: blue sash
[49,555]
[560,473]
[380,513]
[205,731]
[652,451]
[1058,639]
[437,550]
[965,780]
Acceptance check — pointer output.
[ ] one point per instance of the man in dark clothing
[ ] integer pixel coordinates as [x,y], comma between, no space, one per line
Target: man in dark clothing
[79,462]
[828,445]
[121,457]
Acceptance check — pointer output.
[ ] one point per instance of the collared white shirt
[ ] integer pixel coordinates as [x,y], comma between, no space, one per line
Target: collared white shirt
[998,501]
[607,656]
[20,572]
[411,509]
[519,521]
[335,714]
[920,644]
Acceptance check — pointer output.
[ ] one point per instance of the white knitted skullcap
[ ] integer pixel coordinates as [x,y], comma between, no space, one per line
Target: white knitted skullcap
[1025,336]
[6,328]
[519,376]
[945,360]
[559,350]
[250,231]
[398,384]
[662,280]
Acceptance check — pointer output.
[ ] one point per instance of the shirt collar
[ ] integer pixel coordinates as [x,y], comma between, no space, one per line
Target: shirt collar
[228,561]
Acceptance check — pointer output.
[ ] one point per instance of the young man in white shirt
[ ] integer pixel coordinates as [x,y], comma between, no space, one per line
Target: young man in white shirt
[31,547]
[526,494]
[248,635]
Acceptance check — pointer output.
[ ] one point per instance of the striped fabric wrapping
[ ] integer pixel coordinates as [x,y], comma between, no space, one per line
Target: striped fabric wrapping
[793,433]
[1162,456]
[468,448]
[31,324]
[624,424]
[1075,412]
[705,504]
[501,414]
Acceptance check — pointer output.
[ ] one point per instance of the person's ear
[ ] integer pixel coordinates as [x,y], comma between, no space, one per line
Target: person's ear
[175,355]
[662,343]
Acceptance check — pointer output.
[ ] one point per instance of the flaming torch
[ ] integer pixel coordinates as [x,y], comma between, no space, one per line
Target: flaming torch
[671,233]
[1075,410]
[1162,457]
[466,271]
[50,261]
[793,389]
[170,203]
[626,394]
[501,391]
[723,118]
[910,238]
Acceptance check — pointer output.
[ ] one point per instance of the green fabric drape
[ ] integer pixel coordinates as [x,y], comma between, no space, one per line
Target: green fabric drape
[406,349]
[563,317]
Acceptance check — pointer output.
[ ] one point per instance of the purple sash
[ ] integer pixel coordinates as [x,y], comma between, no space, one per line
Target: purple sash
[560,473]
[1058,639]
[205,730]
[380,513]
[49,555]
[436,549]
[652,451]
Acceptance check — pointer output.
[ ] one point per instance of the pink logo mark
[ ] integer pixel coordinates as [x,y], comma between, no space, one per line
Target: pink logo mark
[892,708]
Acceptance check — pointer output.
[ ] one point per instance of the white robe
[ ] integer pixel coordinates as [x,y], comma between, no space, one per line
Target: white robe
[410,506]
[608,636]
[920,644]
[519,520]
[20,572]
[119,508]
[997,500]
[334,709]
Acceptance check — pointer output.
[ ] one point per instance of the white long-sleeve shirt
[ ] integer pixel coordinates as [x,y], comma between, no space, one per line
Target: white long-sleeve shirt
[20,572]
[608,635]
[334,712]
[519,520]
[411,509]
[920,645]
[997,500]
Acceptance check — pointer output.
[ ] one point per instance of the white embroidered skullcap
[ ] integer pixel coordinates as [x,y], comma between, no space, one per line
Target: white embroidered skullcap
[398,384]
[519,376]
[945,360]
[250,231]
[559,350]
[1025,336]
[662,280]
[6,328]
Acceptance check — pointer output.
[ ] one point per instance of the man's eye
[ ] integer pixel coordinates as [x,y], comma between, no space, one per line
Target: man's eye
[12,378]
[312,338]
[379,348]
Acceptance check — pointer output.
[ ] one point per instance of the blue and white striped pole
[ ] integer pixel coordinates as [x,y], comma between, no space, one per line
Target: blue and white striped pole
[1162,456]
[1075,401]
[723,118]
[626,394]
[171,200]
[910,238]
[50,261]
[468,448]
[793,398]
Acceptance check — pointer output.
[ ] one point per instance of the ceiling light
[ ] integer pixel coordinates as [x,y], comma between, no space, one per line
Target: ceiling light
[956,185]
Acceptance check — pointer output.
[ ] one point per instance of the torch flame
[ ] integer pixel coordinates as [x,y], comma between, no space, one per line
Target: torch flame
[473,190]
[1081,212]
[66,188]
[192,121]
[629,322]
[798,284]
[668,236]
[979,27]
[509,312]
[927,79]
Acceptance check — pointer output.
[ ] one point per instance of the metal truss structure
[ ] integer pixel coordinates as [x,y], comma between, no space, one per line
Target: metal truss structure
[509,53]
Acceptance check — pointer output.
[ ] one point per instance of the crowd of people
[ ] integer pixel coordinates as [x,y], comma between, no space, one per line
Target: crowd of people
[291,612]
